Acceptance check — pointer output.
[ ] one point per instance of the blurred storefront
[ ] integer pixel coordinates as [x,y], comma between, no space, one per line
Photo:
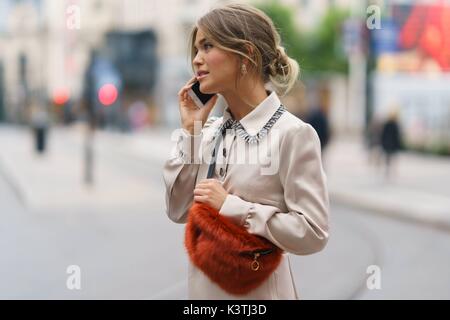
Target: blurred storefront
[120,79]
[412,72]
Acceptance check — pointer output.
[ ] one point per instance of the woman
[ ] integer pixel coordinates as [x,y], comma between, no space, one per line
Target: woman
[236,52]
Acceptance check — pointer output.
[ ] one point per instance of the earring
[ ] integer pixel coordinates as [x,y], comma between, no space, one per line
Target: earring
[243,69]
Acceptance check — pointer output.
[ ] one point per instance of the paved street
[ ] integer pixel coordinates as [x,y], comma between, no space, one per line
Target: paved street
[119,235]
[119,251]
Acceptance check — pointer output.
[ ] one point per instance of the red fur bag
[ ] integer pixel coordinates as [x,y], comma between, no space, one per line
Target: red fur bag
[228,254]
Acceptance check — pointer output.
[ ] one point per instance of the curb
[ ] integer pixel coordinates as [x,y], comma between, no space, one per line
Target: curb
[399,212]
[13,182]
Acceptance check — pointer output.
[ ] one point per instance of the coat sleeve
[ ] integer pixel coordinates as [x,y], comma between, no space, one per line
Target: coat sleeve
[180,173]
[304,228]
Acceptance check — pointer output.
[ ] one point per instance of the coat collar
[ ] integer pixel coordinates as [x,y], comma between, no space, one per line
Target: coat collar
[256,124]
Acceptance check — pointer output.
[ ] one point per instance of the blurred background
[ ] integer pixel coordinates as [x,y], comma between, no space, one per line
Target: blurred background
[88,103]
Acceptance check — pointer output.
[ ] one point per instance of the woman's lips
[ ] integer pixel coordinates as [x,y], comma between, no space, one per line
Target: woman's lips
[202,76]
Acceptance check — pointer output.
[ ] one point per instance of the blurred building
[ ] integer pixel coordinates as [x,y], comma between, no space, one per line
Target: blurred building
[21,23]
[47,45]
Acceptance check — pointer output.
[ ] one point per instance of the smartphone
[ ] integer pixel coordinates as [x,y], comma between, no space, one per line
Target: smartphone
[200,98]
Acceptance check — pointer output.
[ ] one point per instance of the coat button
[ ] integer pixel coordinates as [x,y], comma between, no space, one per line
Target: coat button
[224,152]
[221,172]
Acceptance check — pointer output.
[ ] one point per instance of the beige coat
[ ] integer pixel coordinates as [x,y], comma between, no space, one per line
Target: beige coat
[270,164]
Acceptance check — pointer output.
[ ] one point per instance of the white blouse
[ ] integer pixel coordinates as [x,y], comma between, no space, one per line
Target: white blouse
[270,164]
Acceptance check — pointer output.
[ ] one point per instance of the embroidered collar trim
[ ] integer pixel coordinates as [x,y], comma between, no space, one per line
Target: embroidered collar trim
[240,130]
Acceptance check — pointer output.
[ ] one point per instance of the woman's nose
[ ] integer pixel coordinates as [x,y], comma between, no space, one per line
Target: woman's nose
[197,59]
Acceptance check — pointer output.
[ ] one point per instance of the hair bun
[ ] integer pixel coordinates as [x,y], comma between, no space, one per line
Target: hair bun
[280,63]
[284,71]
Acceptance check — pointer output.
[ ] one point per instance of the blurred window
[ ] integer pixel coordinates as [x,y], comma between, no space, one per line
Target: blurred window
[304,3]
[98,5]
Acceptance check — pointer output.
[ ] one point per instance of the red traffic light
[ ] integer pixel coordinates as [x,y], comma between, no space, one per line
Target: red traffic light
[61,96]
[107,94]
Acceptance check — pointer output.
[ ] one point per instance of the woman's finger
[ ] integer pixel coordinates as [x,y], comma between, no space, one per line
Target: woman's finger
[192,80]
[200,198]
[208,181]
[201,183]
[204,186]
[184,90]
[211,180]
[200,191]
[187,85]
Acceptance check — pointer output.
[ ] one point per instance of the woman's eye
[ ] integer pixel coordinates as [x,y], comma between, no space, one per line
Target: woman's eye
[204,46]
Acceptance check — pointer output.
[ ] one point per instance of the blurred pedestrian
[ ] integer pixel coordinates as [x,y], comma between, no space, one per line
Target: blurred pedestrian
[391,140]
[138,115]
[318,119]
[39,123]
[373,140]
[287,207]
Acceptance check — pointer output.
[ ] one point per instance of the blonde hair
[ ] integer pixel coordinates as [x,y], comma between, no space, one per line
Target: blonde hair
[251,34]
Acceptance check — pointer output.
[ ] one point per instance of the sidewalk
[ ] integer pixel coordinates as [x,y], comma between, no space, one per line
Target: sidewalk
[54,180]
[417,190]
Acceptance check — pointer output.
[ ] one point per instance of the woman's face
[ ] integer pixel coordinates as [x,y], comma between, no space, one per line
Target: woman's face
[221,66]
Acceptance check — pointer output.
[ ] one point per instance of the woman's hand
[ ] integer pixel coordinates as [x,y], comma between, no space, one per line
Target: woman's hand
[210,192]
[189,111]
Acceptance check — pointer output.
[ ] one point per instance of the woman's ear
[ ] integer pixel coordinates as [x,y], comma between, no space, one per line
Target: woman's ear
[250,52]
